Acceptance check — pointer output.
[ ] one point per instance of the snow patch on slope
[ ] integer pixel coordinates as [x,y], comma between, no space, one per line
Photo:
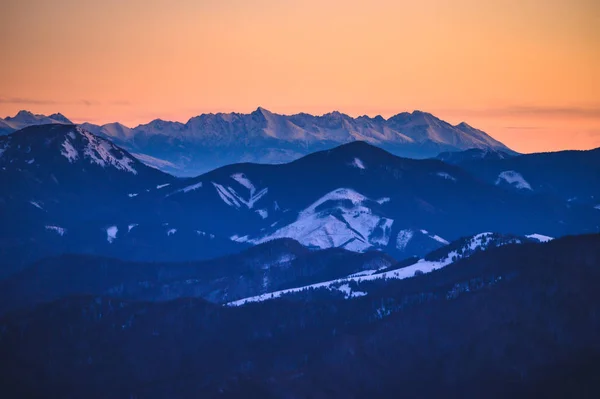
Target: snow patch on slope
[513,178]
[102,152]
[406,272]
[244,181]
[226,196]
[69,151]
[337,195]
[540,237]
[97,150]
[348,293]
[155,162]
[36,204]
[434,237]
[403,237]
[232,198]
[191,188]
[237,238]
[263,213]
[111,234]
[446,176]
[204,234]
[439,239]
[186,189]
[59,230]
[357,163]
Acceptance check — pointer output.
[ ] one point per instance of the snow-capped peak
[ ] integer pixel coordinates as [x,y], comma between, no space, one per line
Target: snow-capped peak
[100,151]
[26,118]
[73,143]
[340,218]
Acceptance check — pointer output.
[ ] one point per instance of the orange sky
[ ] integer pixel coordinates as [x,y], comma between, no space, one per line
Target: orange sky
[525,71]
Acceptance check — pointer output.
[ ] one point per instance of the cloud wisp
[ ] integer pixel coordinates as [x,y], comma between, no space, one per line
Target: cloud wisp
[37,101]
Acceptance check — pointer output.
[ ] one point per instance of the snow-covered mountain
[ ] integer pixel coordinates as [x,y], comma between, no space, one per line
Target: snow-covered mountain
[60,181]
[25,118]
[405,128]
[69,190]
[114,131]
[209,141]
[66,148]
[344,218]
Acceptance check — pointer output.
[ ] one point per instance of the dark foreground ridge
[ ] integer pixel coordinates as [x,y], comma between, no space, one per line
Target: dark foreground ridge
[514,321]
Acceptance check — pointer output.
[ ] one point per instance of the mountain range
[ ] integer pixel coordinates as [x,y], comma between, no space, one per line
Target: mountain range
[266,271]
[25,118]
[208,141]
[68,190]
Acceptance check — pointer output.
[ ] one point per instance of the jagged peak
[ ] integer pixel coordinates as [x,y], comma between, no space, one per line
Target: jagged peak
[21,114]
[414,114]
[336,115]
[74,144]
[60,117]
[25,116]
[464,125]
[161,122]
[262,111]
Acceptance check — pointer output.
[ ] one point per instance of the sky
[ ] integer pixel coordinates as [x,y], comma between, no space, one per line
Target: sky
[525,71]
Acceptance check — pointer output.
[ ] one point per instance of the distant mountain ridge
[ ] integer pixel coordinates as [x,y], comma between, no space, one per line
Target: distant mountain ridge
[25,118]
[208,141]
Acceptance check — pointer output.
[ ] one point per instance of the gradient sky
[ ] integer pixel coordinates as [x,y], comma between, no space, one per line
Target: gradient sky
[525,71]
